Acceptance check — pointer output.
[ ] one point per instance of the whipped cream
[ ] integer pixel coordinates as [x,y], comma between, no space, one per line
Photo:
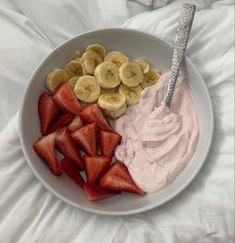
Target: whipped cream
[158,142]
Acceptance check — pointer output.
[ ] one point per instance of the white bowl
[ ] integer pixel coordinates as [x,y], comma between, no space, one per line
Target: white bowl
[134,44]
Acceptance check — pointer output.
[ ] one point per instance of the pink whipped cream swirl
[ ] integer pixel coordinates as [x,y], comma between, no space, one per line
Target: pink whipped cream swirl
[158,142]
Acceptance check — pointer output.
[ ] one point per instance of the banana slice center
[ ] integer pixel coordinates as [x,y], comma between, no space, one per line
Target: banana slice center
[132,74]
[87,91]
[113,98]
[95,62]
[110,75]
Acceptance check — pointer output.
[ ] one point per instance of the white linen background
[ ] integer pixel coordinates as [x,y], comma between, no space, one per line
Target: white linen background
[203,213]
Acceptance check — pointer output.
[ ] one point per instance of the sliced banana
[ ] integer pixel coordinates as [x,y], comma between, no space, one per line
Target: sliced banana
[87,89]
[144,66]
[73,68]
[108,91]
[116,57]
[107,75]
[90,60]
[77,54]
[150,78]
[98,48]
[78,59]
[55,78]
[130,74]
[116,114]
[132,94]
[112,102]
[73,81]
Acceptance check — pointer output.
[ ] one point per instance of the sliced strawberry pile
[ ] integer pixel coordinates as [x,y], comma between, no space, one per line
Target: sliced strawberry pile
[47,110]
[108,142]
[96,166]
[67,146]
[69,168]
[75,124]
[66,100]
[44,147]
[62,121]
[95,192]
[93,113]
[119,179]
[67,128]
[86,138]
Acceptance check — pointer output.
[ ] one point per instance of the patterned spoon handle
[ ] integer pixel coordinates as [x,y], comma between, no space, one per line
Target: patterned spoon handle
[184,27]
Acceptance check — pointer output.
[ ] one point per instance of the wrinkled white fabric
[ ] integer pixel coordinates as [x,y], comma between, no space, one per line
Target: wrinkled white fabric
[203,213]
[137,8]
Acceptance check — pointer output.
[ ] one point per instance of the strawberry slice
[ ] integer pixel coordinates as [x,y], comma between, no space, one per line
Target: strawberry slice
[66,100]
[44,147]
[75,124]
[62,121]
[47,110]
[69,168]
[95,167]
[68,147]
[95,192]
[93,113]
[118,179]
[108,142]
[86,138]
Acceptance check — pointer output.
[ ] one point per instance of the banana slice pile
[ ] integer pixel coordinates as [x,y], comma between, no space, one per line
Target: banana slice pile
[109,78]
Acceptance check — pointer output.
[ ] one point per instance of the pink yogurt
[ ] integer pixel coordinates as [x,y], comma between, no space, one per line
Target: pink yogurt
[157,142]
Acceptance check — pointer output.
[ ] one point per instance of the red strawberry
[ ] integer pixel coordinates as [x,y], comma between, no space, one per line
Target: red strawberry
[86,138]
[66,100]
[44,147]
[62,121]
[93,113]
[118,179]
[47,110]
[108,142]
[68,147]
[95,192]
[95,167]
[70,169]
[75,124]
[84,104]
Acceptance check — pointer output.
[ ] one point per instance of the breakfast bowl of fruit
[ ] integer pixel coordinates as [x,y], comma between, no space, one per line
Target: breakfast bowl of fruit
[95,132]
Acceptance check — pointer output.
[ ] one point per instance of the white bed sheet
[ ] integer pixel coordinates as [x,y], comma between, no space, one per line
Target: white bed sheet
[203,213]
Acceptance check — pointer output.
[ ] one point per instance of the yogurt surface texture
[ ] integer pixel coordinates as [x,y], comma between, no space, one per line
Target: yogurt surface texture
[158,142]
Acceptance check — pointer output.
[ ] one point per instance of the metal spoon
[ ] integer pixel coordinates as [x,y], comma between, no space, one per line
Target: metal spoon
[184,27]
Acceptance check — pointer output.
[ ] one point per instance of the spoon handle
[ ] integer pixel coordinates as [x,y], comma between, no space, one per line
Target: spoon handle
[184,27]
